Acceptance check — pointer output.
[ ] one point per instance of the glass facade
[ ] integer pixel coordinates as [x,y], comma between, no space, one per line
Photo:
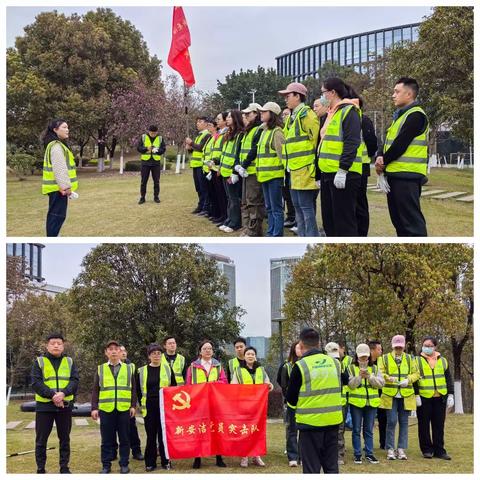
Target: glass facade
[31,253]
[356,51]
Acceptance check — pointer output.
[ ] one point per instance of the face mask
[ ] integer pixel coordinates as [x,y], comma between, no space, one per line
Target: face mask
[363,364]
[427,350]
[324,101]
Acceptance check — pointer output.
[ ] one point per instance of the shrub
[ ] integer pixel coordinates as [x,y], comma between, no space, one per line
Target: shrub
[275,404]
[21,163]
[133,166]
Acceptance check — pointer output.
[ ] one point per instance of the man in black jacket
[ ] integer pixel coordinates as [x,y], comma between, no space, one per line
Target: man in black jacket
[55,383]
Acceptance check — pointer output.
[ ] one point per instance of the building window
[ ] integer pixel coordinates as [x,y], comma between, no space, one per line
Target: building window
[407,34]
[312,59]
[324,53]
[388,38]
[379,43]
[363,48]
[342,52]
[317,58]
[10,249]
[372,49]
[414,34]
[356,49]
[349,51]
[328,56]
[335,52]
[397,36]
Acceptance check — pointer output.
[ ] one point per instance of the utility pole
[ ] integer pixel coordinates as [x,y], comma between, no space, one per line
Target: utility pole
[253,91]
[239,103]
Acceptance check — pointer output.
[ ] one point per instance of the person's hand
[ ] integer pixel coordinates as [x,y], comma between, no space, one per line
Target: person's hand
[364,373]
[450,401]
[270,387]
[403,383]
[66,191]
[155,150]
[233,179]
[418,400]
[188,141]
[242,172]
[318,183]
[390,379]
[58,397]
[133,411]
[149,149]
[340,179]
[379,165]
[94,415]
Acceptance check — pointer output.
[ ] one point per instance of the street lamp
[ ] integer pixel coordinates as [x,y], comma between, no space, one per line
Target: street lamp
[239,103]
[253,91]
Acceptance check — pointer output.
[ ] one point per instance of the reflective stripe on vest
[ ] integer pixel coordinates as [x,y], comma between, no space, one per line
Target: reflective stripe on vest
[207,154]
[345,363]
[147,142]
[392,370]
[115,393]
[432,379]
[319,400]
[216,152]
[196,159]
[227,158]
[331,145]
[177,366]
[245,147]
[415,157]
[55,380]
[269,166]
[199,376]
[49,183]
[233,364]
[244,377]
[364,395]
[298,149]
[165,376]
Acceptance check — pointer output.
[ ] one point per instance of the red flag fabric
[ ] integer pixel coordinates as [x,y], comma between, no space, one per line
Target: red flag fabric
[214,419]
[179,57]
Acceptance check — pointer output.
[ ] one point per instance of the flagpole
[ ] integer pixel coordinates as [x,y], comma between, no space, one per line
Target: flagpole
[187,126]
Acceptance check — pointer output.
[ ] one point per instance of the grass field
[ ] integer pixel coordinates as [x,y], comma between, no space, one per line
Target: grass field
[85,458]
[108,207]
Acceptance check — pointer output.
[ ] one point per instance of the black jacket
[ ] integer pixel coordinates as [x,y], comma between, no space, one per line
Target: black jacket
[41,389]
[142,149]
[448,379]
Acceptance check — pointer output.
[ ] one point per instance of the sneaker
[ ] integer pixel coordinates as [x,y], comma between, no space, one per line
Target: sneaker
[197,463]
[294,230]
[427,455]
[151,468]
[293,463]
[443,456]
[341,461]
[357,459]
[391,454]
[258,461]
[41,470]
[371,458]
[244,462]
[222,227]
[401,454]
[196,211]
[156,200]
[289,223]
[65,470]
[142,200]
[138,456]
[227,230]
[220,462]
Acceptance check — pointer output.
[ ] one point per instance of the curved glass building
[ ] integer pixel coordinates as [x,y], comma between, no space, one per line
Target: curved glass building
[357,51]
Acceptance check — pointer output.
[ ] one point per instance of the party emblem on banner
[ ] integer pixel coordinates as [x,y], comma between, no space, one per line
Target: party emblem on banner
[182,401]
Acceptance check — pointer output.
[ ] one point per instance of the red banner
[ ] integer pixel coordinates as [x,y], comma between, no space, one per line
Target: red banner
[214,419]
[179,57]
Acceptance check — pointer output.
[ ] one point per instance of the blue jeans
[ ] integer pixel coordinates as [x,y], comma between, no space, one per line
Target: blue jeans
[397,413]
[272,193]
[304,203]
[367,415]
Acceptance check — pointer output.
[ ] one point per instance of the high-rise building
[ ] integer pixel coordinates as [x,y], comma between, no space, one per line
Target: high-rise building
[227,266]
[31,255]
[261,344]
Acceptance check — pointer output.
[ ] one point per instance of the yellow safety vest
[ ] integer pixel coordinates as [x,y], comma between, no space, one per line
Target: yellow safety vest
[55,380]
[298,149]
[331,145]
[165,380]
[415,157]
[233,364]
[217,152]
[389,367]
[245,147]
[177,367]
[49,183]
[364,395]
[432,379]
[269,166]
[199,376]
[345,363]
[147,142]
[196,159]
[207,154]
[320,398]
[115,393]
[244,377]
[227,158]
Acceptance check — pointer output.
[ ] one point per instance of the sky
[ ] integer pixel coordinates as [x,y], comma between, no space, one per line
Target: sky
[62,263]
[230,38]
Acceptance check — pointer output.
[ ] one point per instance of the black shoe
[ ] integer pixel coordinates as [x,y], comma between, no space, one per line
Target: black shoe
[197,463]
[41,470]
[427,455]
[443,456]
[289,223]
[202,213]
[357,459]
[167,466]
[197,210]
[371,458]
[138,456]
[156,200]
[65,470]
[150,469]
[142,200]
[220,462]
[105,470]
[124,470]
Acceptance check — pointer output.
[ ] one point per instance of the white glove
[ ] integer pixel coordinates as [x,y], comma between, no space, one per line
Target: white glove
[242,172]
[234,178]
[155,150]
[73,196]
[340,179]
[318,183]
[418,399]
[209,176]
[450,401]
[382,183]
[210,163]
[403,383]
[237,168]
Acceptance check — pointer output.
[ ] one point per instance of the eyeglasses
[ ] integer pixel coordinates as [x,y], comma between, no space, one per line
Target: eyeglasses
[325,91]
[207,349]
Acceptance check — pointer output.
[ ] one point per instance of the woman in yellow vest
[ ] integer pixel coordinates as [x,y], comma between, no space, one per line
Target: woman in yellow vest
[206,369]
[249,374]
[364,381]
[340,160]
[400,371]
[59,175]
[434,391]
[270,167]
[231,143]
[150,379]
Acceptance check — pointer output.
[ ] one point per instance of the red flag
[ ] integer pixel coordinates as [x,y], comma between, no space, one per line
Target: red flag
[179,57]
[214,419]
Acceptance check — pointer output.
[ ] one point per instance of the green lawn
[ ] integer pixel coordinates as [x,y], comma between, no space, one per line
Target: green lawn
[85,443]
[108,207]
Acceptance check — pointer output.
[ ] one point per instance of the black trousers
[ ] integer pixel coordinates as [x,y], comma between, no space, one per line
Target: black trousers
[382,426]
[234,195]
[153,429]
[363,216]
[339,206]
[432,414]
[43,428]
[135,444]
[212,203]
[220,196]
[57,212]
[111,424]
[319,450]
[155,171]
[404,207]
[288,198]
[200,187]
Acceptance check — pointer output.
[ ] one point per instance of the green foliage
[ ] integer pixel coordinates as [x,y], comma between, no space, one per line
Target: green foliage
[133,166]
[21,163]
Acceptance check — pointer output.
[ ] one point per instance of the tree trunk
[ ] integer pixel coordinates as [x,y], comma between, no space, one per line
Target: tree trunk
[121,160]
[101,150]
[410,337]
